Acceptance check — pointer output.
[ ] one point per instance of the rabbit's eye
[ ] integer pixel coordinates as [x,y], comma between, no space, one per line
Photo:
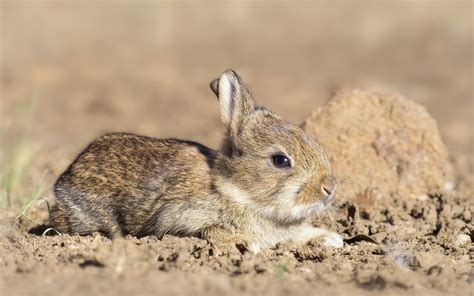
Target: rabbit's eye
[281,161]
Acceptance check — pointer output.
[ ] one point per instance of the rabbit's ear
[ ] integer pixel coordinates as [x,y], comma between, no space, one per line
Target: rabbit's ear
[215,86]
[234,99]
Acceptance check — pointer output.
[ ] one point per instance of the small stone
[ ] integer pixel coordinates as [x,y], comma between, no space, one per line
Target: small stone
[467,216]
[463,239]
[423,197]
[305,269]
[449,186]
[379,237]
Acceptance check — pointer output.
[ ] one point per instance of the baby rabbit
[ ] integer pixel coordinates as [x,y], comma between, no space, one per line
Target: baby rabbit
[260,188]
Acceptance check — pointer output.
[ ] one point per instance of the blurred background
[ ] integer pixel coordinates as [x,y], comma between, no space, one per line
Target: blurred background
[72,70]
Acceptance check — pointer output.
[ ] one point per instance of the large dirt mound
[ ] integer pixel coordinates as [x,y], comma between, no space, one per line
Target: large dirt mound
[381,146]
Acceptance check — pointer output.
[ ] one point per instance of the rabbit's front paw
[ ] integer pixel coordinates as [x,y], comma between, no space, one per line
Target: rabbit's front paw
[327,238]
[332,239]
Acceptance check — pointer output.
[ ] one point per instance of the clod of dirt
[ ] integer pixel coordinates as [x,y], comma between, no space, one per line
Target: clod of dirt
[381,146]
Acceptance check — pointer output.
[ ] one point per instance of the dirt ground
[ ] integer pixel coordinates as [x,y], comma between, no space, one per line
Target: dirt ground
[71,71]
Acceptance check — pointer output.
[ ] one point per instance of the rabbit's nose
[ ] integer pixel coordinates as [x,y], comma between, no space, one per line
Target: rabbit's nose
[328,187]
[328,191]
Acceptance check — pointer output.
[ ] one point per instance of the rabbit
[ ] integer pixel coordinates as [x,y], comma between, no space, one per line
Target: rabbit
[261,188]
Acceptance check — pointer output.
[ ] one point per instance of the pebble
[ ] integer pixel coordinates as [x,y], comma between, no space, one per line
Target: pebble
[463,239]
[423,197]
[467,216]
[449,186]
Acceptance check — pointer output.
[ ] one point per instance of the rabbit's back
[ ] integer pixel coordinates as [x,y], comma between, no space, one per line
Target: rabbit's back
[120,181]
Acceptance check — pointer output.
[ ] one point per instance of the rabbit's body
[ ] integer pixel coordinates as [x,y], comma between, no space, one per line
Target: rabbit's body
[119,183]
[267,179]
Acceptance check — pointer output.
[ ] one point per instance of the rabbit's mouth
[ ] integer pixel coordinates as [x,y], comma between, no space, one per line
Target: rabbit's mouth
[328,200]
[308,210]
[317,208]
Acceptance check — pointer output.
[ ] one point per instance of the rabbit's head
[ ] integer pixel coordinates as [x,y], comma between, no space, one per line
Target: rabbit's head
[266,163]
